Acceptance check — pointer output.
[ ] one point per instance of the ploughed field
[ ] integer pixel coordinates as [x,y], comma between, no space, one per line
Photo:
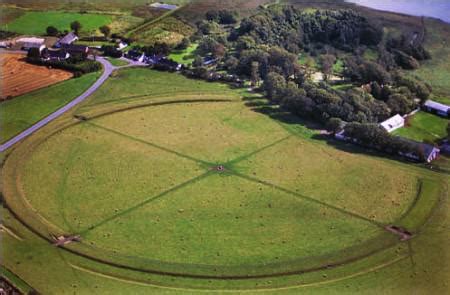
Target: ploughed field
[19,77]
[200,185]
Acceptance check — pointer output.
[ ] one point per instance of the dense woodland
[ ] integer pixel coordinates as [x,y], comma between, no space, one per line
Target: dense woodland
[265,49]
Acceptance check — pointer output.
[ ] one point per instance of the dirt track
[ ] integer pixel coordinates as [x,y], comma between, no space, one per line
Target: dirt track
[18,77]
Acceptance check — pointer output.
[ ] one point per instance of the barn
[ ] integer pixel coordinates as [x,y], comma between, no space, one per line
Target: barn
[437,108]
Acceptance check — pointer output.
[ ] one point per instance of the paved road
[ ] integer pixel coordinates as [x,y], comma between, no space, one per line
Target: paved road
[107,70]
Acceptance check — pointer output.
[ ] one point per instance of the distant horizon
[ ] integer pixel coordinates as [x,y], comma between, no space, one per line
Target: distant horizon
[429,8]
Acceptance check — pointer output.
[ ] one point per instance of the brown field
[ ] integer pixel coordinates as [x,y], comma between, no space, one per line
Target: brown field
[18,77]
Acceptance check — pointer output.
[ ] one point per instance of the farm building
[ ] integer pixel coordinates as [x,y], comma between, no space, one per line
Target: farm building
[27,43]
[428,152]
[393,123]
[436,108]
[163,6]
[57,55]
[67,40]
[135,55]
[76,49]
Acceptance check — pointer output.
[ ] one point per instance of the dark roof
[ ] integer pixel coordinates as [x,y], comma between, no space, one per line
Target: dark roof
[68,39]
[75,48]
[57,53]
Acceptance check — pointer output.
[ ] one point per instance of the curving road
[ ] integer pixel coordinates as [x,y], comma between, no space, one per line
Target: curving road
[107,70]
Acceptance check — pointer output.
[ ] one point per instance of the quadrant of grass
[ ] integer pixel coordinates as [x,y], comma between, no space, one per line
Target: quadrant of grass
[131,82]
[226,220]
[84,175]
[357,183]
[21,112]
[215,132]
[425,126]
[36,22]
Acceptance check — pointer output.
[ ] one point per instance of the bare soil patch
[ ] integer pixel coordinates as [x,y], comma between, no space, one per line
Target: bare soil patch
[19,77]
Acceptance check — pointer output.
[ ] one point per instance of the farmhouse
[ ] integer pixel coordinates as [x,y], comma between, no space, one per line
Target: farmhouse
[437,108]
[135,55]
[393,123]
[67,39]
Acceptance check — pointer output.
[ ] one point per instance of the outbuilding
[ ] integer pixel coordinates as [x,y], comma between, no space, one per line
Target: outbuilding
[393,123]
[436,108]
[67,40]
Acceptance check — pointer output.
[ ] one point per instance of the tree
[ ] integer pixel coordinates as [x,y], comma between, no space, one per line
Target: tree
[327,62]
[448,131]
[34,53]
[184,44]
[274,84]
[231,64]
[75,26]
[334,125]
[52,31]
[219,51]
[198,61]
[105,30]
[255,76]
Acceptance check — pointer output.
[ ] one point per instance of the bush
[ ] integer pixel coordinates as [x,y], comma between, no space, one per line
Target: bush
[84,67]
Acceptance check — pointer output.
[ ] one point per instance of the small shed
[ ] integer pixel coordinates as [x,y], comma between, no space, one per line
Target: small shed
[393,123]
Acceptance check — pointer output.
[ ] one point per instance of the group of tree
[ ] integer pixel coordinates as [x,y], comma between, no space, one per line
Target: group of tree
[294,29]
[224,17]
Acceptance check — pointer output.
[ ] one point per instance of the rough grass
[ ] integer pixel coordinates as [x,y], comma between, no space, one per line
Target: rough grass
[169,30]
[437,70]
[23,111]
[36,22]
[424,127]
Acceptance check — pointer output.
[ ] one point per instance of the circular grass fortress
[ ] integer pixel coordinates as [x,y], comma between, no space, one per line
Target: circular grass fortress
[142,188]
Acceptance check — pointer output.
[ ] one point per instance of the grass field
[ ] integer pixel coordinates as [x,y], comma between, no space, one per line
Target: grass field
[424,127]
[184,56]
[17,115]
[139,187]
[36,22]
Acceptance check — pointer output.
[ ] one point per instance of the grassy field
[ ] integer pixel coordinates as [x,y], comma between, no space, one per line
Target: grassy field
[36,22]
[424,127]
[138,186]
[117,62]
[184,56]
[21,112]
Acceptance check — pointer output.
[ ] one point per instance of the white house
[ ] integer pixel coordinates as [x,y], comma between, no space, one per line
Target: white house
[436,108]
[121,45]
[393,123]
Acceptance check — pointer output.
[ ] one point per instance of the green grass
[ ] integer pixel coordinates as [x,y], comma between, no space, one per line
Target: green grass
[117,62]
[137,186]
[424,127]
[36,22]
[338,67]
[141,83]
[184,56]
[21,112]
